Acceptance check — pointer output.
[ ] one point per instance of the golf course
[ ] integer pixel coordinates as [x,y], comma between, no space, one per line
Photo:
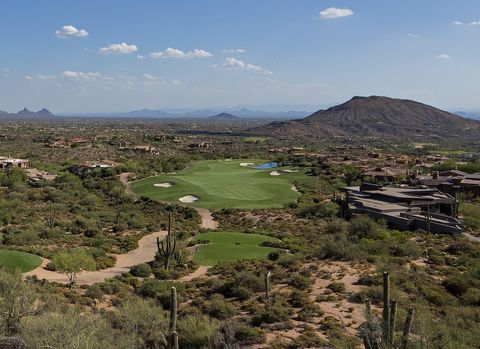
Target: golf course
[228,246]
[216,184]
[21,261]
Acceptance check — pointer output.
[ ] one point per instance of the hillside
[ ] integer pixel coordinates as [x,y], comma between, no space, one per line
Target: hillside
[376,116]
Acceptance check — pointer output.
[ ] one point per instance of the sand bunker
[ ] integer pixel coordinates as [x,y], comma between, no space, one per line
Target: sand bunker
[275,173]
[294,188]
[163,185]
[290,171]
[247,164]
[188,199]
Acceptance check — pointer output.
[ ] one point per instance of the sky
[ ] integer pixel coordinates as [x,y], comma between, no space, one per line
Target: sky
[112,56]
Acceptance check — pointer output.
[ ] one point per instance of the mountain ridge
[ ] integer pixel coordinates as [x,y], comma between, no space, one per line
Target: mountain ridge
[375,116]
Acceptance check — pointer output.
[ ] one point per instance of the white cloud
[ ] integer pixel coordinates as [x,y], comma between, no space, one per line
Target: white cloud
[457,22]
[413,36]
[149,77]
[235,50]
[333,12]
[78,75]
[233,63]
[71,31]
[5,73]
[44,77]
[474,23]
[122,48]
[176,82]
[176,53]
[140,57]
[443,56]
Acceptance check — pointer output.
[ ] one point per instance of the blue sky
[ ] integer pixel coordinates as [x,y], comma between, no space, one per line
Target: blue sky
[115,55]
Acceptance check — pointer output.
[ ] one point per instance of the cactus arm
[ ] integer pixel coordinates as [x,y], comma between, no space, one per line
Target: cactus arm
[406,328]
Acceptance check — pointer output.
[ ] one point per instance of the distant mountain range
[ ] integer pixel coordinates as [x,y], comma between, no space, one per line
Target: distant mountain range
[205,113]
[25,113]
[470,115]
[224,116]
[376,116]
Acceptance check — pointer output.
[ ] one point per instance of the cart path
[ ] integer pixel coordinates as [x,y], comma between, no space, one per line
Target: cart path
[208,222]
[147,247]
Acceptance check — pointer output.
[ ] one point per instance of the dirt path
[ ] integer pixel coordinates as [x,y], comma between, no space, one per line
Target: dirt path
[208,222]
[147,247]
[124,179]
[201,271]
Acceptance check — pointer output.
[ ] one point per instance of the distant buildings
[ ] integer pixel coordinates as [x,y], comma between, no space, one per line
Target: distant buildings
[405,207]
[6,162]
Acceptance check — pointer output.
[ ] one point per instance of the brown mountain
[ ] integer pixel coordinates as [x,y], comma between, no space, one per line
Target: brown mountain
[376,116]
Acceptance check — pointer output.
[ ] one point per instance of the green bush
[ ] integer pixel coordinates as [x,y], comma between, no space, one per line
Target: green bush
[141,270]
[219,308]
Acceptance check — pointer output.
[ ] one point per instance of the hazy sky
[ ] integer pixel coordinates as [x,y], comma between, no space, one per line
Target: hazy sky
[113,55]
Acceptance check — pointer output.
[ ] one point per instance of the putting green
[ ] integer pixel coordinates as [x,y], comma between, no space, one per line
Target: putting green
[21,261]
[227,247]
[224,184]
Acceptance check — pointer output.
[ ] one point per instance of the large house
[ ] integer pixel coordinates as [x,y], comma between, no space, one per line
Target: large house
[9,163]
[405,207]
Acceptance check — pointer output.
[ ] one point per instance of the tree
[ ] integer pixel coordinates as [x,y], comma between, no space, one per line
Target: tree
[73,261]
[18,300]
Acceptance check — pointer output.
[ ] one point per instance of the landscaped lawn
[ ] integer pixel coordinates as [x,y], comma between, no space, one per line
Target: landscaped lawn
[227,246]
[224,184]
[21,261]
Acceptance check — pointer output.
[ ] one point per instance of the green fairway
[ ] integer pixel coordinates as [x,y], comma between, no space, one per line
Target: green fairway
[21,261]
[224,184]
[226,247]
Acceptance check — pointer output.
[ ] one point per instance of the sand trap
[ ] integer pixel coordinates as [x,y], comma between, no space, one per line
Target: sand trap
[290,171]
[294,188]
[228,159]
[163,185]
[188,199]
[275,173]
[247,164]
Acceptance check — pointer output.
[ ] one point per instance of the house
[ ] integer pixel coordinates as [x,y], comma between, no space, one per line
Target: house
[451,182]
[9,163]
[405,207]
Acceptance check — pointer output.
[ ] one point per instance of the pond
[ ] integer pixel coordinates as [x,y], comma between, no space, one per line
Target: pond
[267,165]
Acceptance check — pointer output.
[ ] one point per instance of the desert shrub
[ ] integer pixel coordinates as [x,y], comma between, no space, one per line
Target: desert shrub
[242,293]
[198,331]
[456,285]
[274,311]
[471,215]
[300,282]
[323,210]
[233,334]
[299,299]
[309,311]
[365,227]
[406,249]
[141,270]
[308,339]
[337,287]
[219,308]
[337,226]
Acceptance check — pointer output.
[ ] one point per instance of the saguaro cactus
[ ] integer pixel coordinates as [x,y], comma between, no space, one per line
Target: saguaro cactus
[381,335]
[267,284]
[406,328]
[386,307]
[172,328]
[168,246]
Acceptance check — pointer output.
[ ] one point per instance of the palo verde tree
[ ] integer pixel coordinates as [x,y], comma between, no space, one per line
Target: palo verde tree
[72,262]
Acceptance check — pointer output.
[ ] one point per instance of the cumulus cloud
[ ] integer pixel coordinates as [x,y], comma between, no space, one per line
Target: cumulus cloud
[176,53]
[78,75]
[44,77]
[233,63]
[474,23]
[140,57]
[5,73]
[119,49]
[235,50]
[443,56]
[71,31]
[334,12]
[413,36]
[457,22]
